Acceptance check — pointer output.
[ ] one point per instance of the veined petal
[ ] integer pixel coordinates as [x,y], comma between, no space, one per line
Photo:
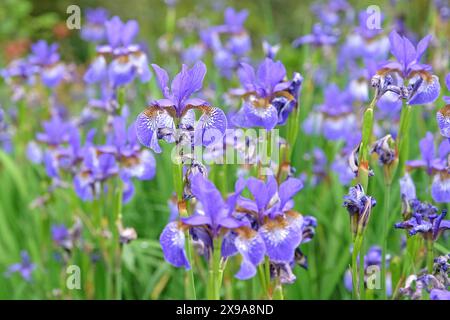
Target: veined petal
[228,248]
[211,126]
[427,92]
[172,243]
[280,239]
[147,124]
[443,120]
[260,116]
[252,249]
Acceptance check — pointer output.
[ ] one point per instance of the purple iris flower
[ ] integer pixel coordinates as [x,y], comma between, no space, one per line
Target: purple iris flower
[423,86]
[429,159]
[20,69]
[94,28]
[158,121]
[95,169]
[443,115]
[425,220]
[128,59]
[124,145]
[439,294]
[212,219]
[279,226]
[443,8]
[359,206]
[268,98]
[337,120]
[321,36]
[270,51]
[330,12]
[229,42]
[25,267]
[62,237]
[56,132]
[46,58]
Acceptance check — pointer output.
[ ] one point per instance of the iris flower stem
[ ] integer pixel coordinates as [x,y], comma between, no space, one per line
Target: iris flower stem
[361,272]
[267,276]
[355,281]
[177,172]
[403,137]
[121,96]
[217,272]
[117,249]
[262,277]
[278,291]
[430,255]
[384,235]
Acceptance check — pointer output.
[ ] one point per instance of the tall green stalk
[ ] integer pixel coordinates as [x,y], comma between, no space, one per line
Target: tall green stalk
[384,235]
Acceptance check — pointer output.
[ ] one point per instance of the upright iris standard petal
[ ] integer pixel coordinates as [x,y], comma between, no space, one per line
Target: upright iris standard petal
[288,189]
[186,83]
[162,78]
[427,92]
[252,249]
[210,198]
[172,242]
[259,191]
[280,239]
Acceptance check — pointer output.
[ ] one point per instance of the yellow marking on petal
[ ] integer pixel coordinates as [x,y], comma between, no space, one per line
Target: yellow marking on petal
[246,232]
[445,111]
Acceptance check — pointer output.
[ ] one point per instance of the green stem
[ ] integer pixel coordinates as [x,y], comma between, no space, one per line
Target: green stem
[117,250]
[384,235]
[403,137]
[278,291]
[217,272]
[430,255]
[355,281]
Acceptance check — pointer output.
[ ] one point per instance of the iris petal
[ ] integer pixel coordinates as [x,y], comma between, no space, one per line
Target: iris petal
[427,92]
[280,239]
[172,242]
[147,124]
[211,126]
[252,249]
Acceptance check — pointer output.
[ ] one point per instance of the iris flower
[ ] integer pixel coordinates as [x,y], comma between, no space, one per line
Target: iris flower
[175,111]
